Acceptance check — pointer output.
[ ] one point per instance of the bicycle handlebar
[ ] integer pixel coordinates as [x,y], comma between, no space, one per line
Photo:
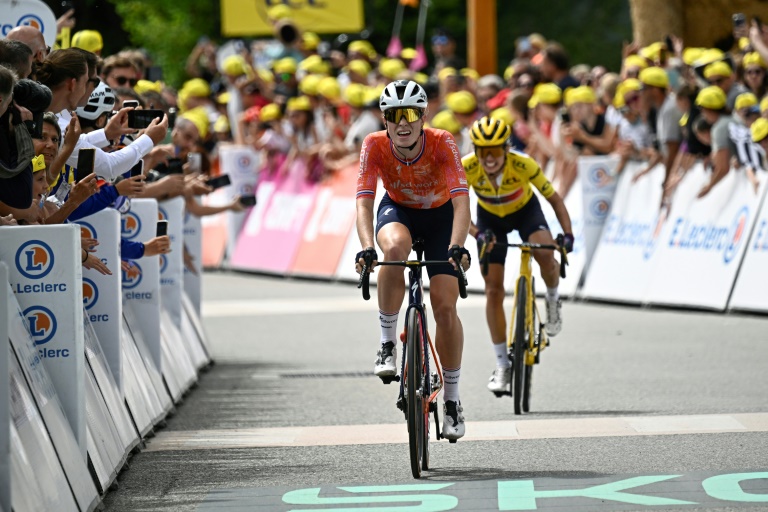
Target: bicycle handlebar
[485,256]
[364,280]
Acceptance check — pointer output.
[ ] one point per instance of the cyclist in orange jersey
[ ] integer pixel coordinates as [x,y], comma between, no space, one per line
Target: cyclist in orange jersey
[427,197]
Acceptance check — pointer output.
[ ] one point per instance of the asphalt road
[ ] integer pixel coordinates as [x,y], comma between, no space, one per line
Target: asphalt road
[633,409]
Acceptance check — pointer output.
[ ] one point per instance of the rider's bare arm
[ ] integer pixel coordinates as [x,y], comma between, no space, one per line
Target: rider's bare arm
[561,212]
[461,220]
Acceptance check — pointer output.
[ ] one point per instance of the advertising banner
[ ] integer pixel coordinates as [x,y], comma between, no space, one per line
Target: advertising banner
[172,264]
[28,13]
[270,238]
[623,262]
[44,394]
[329,225]
[241,163]
[749,293]
[46,277]
[193,241]
[598,184]
[703,241]
[141,284]
[102,296]
[5,414]
[249,18]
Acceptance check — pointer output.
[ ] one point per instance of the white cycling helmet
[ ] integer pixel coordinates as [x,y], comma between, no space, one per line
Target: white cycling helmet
[403,93]
[101,101]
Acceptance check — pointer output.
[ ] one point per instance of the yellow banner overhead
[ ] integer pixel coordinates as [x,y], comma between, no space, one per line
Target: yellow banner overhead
[255,17]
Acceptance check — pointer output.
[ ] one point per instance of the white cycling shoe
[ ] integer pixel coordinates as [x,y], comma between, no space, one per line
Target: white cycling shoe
[499,380]
[385,361]
[554,316]
[453,421]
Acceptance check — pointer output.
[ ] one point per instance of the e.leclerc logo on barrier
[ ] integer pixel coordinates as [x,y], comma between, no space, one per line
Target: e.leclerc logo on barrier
[42,324]
[599,176]
[130,225]
[26,20]
[599,207]
[633,234]
[90,293]
[132,276]
[711,237]
[87,231]
[34,259]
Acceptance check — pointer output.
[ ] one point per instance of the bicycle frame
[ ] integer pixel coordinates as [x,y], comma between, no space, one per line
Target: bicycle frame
[416,301]
[526,273]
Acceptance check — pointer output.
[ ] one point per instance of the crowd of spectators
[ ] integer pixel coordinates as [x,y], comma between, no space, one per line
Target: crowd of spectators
[296,98]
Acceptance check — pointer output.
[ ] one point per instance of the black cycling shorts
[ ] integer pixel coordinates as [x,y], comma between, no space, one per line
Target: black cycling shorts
[433,225]
[527,220]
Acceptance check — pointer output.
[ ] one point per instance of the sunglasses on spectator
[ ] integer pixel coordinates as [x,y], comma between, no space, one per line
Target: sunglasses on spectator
[754,71]
[438,40]
[494,151]
[122,80]
[394,115]
[717,81]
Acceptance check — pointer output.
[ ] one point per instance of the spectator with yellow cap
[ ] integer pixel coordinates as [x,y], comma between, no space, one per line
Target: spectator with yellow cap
[713,104]
[759,132]
[305,143]
[586,132]
[450,81]
[365,115]
[632,66]
[315,65]
[657,96]
[543,120]
[88,40]
[745,113]
[754,73]
[266,134]
[361,49]
[720,74]
[357,71]
[464,107]
[407,55]
[634,134]
[309,43]
[285,73]
[391,69]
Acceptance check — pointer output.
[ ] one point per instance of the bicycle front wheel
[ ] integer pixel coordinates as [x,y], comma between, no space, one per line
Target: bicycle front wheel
[417,418]
[521,344]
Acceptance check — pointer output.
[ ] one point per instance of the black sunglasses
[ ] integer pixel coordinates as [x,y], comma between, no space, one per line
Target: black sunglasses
[122,80]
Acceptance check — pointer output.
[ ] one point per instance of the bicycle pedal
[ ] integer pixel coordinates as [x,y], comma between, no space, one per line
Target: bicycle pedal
[388,379]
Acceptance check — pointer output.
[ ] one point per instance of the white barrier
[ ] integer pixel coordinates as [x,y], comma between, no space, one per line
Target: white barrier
[101,293]
[153,371]
[241,163]
[598,183]
[141,285]
[44,394]
[5,394]
[749,291]
[113,398]
[703,241]
[193,241]
[623,262]
[34,459]
[172,264]
[46,276]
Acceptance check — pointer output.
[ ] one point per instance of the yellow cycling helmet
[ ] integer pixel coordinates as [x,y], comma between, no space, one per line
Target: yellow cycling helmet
[489,131]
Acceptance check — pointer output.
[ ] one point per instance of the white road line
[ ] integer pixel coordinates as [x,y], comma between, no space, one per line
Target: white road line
[229,308]
[476,431]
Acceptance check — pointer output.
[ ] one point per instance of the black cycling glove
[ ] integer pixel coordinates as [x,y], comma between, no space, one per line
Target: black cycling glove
[456,252]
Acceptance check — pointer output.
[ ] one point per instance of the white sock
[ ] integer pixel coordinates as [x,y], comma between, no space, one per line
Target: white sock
[388,322]
[451,381]
[552,293]
[502,359]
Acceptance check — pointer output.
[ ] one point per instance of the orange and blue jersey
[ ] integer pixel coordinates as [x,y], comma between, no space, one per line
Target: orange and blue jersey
[428,181]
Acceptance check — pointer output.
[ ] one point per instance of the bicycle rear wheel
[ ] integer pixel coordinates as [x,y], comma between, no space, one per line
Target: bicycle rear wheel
[417,419]
[521,344]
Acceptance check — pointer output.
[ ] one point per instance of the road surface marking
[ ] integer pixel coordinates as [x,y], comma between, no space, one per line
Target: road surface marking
[476,431]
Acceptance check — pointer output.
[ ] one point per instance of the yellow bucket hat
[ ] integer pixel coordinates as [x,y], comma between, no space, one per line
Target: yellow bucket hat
[654,77]
[719,68]
[391,68]
[88,40]
[355,95]
[270,112]
[329,88]
[711,97]
[549,94]
[759,129]
[199,117]
[461,102]
[308,84]
[143,86]
[503,114]
[445,120]
[300,103]
[744,100]
[581,94]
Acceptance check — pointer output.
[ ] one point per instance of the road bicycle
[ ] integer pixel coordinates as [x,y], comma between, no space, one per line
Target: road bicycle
[422,374]
[527,336]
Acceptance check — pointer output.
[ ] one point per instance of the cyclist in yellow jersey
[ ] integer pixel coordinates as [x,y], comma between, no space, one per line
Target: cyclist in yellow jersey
[502,179]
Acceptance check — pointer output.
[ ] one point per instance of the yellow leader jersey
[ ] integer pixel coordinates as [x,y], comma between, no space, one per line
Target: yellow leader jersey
[514,187]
